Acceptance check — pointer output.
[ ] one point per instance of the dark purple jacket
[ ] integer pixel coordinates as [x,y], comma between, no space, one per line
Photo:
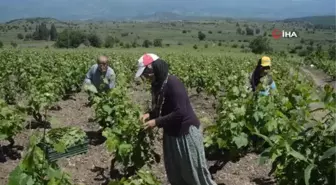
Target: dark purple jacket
[177,114]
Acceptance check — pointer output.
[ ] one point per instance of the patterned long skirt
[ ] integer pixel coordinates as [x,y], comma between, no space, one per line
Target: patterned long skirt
[184,159]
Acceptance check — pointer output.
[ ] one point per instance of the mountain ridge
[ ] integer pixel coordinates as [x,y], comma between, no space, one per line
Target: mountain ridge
[126,9]
[171,16]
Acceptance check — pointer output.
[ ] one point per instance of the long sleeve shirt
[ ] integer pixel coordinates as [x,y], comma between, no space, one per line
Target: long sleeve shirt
[177,115]
[266,92]
[96,77]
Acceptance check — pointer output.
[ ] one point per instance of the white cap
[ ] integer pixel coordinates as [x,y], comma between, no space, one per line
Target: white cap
[144,61]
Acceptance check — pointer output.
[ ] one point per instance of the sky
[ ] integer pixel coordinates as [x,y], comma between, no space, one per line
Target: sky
[89,9]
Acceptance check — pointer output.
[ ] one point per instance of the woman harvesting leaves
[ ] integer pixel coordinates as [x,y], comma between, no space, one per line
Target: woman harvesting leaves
[261,75]
[183,149]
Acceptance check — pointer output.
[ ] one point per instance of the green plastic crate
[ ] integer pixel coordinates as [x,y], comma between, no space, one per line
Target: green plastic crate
[77,149]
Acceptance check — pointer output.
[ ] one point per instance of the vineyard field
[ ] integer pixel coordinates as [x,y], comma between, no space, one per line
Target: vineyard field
[44,87]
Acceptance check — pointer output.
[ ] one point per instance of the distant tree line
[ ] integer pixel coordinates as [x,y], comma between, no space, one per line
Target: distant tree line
[74,38]
[41,33]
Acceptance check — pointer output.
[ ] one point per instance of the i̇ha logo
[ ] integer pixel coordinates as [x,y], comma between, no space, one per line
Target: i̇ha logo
[277,34]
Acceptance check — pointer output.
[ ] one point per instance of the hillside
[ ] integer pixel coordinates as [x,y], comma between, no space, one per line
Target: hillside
[316,20]
[33,20]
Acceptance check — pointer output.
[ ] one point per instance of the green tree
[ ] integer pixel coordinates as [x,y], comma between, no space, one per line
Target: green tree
[87,42]
[311,42]
[302,41]
[239,31]
[260,45]
[146,43]
[20,36]
[319,52]
[201,36]
[134,44]
[70,39]
[28,36]
[332,52]
[95,40]
[14,44]
[257,30]
[124,34]
[110,42]
[41,32]
[1,44]
[249,31]
[127,45]
[157,42]
[53,33]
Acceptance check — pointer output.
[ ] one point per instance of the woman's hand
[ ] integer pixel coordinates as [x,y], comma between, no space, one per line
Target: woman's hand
[144,117]
[150,124]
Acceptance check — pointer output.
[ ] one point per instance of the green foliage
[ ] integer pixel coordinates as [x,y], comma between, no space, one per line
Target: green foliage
[331,52]
[239,31]
[94,40]
[299,144]
[53,33]
[62,138]
[1,44]
[124,34]
[28,37]
[70,39]
[34,169]
[41,32]
[157,43]
[146,43]
[260,45]
[119,117]
[201,36]
[20,36]
[309,146]
[249,31]
[257,31]
[12,121]
[303,52]
[134,44]
[302,41]
[14,44]
[111,41]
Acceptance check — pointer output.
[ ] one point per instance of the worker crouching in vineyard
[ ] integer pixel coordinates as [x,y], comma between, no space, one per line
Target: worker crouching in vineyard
[101,75]
[262,74]
[183,149]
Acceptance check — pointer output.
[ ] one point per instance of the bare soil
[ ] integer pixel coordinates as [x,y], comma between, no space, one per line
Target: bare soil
[93,168]
[319,77]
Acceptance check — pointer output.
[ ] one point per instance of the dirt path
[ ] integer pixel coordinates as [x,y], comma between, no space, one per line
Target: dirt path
[93,167]
[319,77]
